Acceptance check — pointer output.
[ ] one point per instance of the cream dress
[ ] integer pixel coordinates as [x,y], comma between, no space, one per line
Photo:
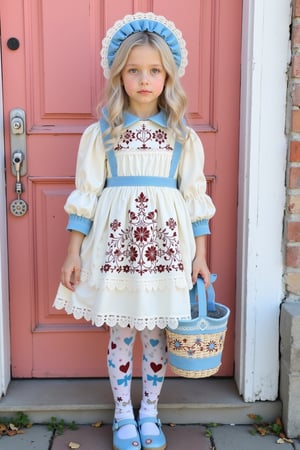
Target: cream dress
[137,254]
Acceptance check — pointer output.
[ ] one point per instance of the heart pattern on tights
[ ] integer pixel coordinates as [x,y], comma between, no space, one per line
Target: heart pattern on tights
[124,367]
[155,367]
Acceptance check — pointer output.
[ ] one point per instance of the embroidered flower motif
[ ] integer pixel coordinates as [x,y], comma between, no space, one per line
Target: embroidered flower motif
[159,136]
[141,234]
[128,136]
[190,351]
[133,254]
[176,344]
[212,346]
[151,254]
[142,246]
[106,268]
[115,225]
[171,223]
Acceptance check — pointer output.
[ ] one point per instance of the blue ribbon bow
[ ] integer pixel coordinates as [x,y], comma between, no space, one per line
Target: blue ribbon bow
[155,379]
[124,380]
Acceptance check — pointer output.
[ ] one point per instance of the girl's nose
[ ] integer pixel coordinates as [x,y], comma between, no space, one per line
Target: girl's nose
[144,78]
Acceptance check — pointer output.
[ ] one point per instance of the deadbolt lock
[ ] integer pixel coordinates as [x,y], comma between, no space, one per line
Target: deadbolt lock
[18,138]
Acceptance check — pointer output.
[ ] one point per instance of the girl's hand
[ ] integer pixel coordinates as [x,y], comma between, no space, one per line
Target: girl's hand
[199,266]
[70,271]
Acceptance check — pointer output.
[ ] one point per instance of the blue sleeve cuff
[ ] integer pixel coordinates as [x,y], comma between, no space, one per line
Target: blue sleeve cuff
[201,227]
[79,223]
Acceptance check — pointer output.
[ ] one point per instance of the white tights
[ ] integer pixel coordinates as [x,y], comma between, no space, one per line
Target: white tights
[119,361]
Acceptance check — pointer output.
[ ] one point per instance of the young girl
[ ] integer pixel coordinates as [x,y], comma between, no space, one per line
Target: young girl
[138,217]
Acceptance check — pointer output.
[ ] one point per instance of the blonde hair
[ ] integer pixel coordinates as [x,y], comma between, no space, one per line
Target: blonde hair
[172,99]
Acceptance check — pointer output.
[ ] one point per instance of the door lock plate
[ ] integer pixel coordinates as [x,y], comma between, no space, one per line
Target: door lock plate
[18,207]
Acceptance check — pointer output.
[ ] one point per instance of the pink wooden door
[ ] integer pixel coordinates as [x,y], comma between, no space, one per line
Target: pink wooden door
[54,76]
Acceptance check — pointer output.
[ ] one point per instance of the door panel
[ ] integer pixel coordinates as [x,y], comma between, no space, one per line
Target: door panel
[62,64]
[55,76]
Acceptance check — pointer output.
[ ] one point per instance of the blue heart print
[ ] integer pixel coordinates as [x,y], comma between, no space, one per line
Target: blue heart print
[154,342]
[128,340]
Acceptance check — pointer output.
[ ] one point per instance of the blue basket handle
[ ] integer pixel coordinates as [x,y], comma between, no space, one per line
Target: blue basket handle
[206,299]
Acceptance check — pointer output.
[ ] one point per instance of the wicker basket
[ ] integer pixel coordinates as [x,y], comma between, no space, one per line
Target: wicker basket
[195,347]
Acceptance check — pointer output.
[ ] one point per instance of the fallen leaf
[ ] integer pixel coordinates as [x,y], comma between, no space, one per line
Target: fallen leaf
[172,425]
[11,432]
[262,431]
[284,440]
[255,417]
[74,445]
[3,428]
[252,416]
[97,424]
[13,427]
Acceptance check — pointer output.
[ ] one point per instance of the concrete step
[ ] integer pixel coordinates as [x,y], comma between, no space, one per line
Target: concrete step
[182,401]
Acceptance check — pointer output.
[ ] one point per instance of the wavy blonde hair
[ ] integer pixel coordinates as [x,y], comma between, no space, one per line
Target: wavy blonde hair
[173,98]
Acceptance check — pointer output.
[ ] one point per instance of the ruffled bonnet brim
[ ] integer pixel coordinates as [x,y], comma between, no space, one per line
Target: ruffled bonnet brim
[138,22]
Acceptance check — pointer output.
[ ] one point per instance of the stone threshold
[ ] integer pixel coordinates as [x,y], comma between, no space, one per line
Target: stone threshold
[182,401]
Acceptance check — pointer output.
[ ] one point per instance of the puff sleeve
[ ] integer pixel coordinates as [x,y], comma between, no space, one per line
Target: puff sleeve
[192,184]
[90,179]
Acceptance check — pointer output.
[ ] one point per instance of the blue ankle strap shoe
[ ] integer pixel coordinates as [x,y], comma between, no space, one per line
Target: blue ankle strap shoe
[153,442]
[132,443]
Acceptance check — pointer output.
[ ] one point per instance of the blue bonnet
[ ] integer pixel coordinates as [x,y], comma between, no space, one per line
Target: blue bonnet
[143,22]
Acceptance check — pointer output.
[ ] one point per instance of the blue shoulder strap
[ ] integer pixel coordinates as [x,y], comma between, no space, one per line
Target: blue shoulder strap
[110,153]
[175,159]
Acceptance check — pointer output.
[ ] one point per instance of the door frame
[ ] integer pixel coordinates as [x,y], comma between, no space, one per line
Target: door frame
[258,294]
[4,293]
[262,196]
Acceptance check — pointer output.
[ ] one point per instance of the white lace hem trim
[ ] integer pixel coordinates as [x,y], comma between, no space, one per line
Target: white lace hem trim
[112,320]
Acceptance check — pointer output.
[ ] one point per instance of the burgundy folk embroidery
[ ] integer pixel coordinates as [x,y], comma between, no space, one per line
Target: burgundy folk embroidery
[143,247]
[144,136]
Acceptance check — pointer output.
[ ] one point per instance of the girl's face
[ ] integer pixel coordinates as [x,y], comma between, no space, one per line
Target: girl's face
[143,79]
